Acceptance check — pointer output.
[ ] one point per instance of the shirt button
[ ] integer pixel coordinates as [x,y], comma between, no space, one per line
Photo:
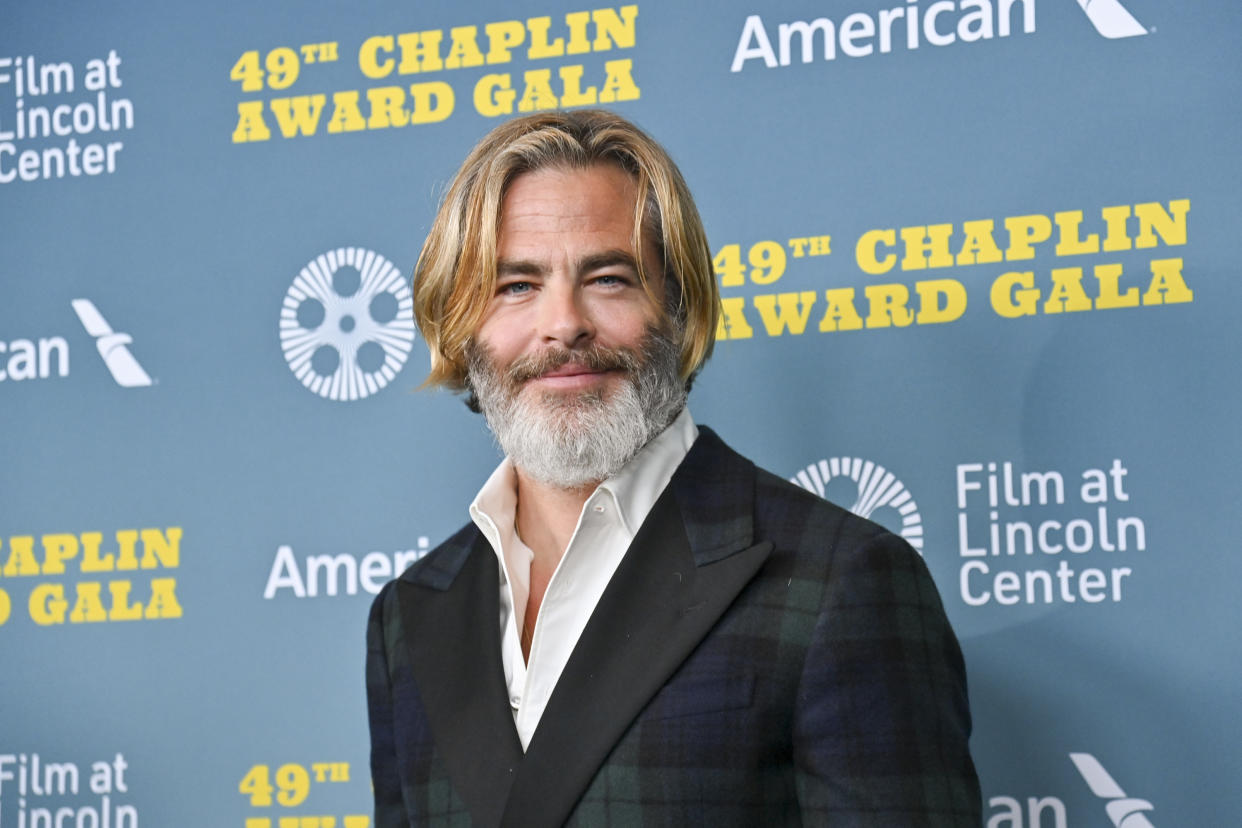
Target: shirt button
[515,701]
[599,507]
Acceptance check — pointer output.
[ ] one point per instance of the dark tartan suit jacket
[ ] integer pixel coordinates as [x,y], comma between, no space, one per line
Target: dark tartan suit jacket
[761,657]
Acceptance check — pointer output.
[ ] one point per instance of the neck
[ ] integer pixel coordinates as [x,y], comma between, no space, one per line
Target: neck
[546,517]
[545,520]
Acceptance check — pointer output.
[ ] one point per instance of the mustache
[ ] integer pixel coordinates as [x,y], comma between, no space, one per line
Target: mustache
[591,358]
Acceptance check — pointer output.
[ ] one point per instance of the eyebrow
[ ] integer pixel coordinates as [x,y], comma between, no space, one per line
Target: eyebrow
[595,261]
[608,258]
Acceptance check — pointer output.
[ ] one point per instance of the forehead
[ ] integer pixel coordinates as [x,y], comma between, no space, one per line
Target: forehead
[559,205]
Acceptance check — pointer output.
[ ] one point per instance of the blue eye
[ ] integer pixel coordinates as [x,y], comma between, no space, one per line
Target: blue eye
[514,287]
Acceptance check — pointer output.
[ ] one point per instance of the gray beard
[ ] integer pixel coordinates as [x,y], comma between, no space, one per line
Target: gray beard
[570,441]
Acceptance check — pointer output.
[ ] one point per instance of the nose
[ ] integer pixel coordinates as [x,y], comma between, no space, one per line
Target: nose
[564,317]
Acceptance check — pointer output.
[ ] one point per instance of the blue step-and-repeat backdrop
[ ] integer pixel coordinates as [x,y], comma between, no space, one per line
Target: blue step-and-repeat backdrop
[979,269]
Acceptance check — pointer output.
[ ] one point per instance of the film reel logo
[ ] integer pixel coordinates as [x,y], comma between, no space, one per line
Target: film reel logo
[346,326]
[877,488]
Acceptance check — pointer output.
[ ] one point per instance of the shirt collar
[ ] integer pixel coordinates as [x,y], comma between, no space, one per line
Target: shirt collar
[639,483]
[494,508]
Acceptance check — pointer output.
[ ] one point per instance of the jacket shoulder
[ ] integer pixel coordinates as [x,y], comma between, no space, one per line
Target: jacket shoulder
[787,510]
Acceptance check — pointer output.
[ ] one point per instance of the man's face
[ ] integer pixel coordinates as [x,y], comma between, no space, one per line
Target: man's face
[572,364]
[567,277]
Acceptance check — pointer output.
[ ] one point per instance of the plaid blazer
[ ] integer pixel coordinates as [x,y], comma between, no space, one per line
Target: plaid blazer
[761,657]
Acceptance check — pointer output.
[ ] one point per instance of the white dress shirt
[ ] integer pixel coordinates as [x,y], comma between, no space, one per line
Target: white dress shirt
[606,527]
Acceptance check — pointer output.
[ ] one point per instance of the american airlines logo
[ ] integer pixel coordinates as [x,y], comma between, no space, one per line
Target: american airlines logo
[112,346]
[43,356]
[907,27]
[1051,811]
[1111,19]
[1124,811]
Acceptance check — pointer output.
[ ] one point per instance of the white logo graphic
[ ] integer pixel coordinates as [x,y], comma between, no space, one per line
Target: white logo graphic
[1111,19]
[877,487]
[347,324]
[1125,812]
[121,363]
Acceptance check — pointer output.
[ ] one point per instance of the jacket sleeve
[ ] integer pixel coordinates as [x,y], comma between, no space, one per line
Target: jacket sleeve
[390,809]
[882,722]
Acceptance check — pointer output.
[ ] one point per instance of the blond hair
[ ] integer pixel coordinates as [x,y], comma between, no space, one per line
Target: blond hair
[455,277]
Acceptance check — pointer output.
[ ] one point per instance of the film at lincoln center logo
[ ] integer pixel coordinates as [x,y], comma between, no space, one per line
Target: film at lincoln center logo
[346,325]
[877,487]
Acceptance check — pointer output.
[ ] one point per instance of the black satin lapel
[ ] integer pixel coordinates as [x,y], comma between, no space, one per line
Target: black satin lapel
[657,608]
[454,641]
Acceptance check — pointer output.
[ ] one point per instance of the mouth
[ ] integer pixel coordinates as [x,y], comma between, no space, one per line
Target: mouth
[571,376]
[571,369]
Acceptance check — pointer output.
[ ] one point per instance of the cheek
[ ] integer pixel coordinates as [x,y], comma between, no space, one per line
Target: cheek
[502,335]
[626,321]
[638,330]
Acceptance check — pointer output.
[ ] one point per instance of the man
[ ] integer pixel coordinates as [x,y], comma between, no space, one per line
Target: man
[637,626]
